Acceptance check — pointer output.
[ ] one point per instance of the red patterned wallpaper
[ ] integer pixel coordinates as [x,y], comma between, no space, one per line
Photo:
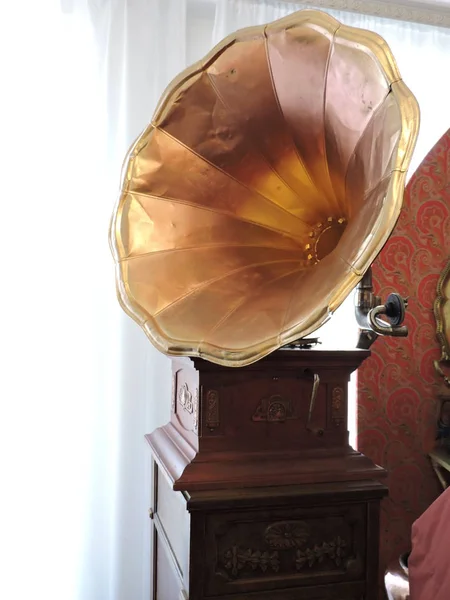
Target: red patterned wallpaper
[397,386]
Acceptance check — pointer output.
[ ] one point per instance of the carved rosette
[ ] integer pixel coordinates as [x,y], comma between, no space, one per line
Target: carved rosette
[274,409]
[212,410]
[287,534]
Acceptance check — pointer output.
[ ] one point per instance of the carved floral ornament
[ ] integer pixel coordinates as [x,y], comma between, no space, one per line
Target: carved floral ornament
[237,559]
[196,408]
[334,550]
[190,404]
[336,398]
[337,406]
[212,410]
[286,537]
[185,398]
[274,409]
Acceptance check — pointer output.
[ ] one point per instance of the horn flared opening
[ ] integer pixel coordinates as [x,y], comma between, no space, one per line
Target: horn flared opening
[270,177]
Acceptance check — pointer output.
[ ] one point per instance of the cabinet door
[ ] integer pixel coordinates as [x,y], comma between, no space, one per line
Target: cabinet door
[170,531]
[168,585]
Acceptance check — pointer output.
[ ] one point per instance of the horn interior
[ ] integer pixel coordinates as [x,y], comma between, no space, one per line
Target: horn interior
[268,180]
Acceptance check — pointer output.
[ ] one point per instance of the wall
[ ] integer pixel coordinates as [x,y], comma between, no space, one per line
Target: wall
[397,386]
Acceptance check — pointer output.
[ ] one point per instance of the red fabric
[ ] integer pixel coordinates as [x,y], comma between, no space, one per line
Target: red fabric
[397,405]
[429,562]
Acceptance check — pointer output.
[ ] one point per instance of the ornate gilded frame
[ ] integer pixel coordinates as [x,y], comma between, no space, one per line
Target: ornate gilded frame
[441,308]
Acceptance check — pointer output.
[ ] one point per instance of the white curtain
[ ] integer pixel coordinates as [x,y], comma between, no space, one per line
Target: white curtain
[80,383]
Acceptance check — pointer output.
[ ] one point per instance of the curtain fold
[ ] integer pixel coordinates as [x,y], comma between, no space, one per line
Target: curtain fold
[81,384]
[140,46]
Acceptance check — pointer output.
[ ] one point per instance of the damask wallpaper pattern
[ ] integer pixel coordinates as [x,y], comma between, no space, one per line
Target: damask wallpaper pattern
[397,385]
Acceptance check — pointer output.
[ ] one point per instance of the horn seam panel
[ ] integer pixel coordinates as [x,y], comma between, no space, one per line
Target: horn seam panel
[179,80]
[242,301]
[201,248]
[324,106]
[255,192]
[215,211]
[355,149]
[385,176]
[253,142]
[289,304]
[215,279]
[277,100]
[123,258]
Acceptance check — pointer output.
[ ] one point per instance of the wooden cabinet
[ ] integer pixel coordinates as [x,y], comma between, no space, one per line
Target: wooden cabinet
[255,500]
[312,541]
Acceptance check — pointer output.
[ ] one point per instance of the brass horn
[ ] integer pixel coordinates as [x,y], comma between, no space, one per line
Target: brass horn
[270,177]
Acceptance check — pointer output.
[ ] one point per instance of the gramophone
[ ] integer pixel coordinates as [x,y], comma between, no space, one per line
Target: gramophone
[269,179]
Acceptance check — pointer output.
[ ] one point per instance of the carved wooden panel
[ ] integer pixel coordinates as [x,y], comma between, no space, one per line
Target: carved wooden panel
[338,406]
[309,542]
[185,398]
[185,401]
[212,419]
[195,411]
[275,409]
[265,408]
[304,546]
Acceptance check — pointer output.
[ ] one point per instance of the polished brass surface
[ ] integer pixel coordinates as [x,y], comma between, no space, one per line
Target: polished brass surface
[375,318]
[270,177]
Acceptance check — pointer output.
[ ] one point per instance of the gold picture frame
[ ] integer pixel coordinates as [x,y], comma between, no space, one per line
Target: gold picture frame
[442,316]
